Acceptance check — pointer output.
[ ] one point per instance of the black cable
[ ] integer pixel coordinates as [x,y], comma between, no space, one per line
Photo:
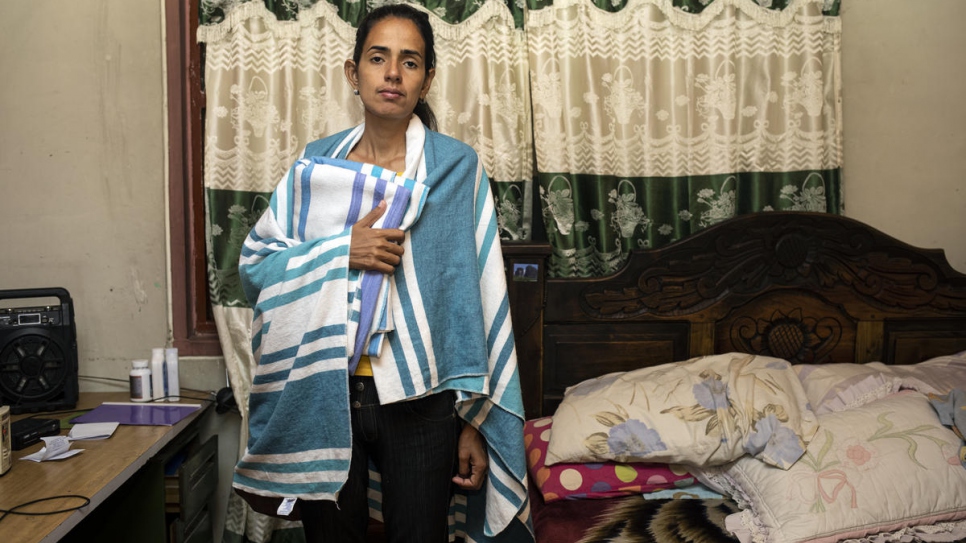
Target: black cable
[103,378]
[44,414]
[14,509]
[165,398]
[162,398]
[127,381]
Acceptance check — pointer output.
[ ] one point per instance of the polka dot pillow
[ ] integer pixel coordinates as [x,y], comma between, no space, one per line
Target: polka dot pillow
[593,480]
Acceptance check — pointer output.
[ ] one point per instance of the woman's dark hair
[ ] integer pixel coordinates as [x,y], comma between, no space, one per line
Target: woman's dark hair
[421,20]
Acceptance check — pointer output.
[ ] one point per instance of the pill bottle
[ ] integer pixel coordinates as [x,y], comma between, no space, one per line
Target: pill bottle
[140,381]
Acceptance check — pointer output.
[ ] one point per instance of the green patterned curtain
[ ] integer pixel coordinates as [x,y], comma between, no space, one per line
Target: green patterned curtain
[452,11]
[654,119]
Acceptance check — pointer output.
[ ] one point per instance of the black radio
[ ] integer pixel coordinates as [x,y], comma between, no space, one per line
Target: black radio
[38,353]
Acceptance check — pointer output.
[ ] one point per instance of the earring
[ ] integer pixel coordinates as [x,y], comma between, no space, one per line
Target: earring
[355,91]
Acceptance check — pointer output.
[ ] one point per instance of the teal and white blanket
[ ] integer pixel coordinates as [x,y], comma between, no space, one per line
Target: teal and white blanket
[440,322]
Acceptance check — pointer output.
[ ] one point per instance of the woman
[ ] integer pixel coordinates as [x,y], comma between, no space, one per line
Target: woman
[422,336]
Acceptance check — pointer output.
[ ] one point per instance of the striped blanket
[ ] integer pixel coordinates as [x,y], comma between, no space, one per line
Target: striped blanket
[440,322]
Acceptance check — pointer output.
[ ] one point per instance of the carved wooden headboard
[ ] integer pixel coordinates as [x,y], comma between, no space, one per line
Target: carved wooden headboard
[806,287]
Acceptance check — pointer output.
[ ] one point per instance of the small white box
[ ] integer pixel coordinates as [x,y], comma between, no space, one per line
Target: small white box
[157,374]
[173,390]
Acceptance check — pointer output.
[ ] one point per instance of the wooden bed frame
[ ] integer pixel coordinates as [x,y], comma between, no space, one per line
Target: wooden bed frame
[806,287]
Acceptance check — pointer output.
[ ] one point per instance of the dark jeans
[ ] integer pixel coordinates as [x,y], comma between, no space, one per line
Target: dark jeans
[413,444]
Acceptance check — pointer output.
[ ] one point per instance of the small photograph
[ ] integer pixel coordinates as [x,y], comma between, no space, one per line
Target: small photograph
[525,272]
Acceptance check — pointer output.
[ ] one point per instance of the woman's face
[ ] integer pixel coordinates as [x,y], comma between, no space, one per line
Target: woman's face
[391,75]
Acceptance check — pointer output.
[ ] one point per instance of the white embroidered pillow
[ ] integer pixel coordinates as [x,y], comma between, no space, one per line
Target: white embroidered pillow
[939,375]
[887,466]
[836,387]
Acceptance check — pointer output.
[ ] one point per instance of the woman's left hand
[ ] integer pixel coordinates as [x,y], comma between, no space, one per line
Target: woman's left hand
[473,462]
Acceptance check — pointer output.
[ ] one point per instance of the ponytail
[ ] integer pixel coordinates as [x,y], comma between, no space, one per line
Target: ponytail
[425,114]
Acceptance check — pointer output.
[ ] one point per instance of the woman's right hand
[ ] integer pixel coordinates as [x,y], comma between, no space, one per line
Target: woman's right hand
[376,249]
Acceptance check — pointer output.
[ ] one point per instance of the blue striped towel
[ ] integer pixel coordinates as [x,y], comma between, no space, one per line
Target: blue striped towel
[351,190]
[440,322]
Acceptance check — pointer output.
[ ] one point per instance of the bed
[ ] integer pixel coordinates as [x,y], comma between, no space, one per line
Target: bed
[825,353]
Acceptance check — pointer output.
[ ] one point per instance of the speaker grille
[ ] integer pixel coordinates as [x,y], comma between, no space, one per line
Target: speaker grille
[33,367]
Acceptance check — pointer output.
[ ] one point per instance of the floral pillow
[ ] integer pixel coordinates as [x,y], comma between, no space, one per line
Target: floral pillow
[887,466]
[704,411]
[594,480]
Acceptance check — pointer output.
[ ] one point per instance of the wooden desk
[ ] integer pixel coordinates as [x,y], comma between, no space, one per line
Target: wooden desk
[97,473]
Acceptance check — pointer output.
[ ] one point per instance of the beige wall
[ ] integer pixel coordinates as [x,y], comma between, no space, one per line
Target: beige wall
[82,165]
[82,157]
[82,170]
[904,79]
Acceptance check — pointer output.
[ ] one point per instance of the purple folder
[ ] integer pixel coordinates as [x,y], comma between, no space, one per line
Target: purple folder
[140,414]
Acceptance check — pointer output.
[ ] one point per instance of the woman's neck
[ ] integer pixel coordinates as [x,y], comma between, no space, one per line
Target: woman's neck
[382,145]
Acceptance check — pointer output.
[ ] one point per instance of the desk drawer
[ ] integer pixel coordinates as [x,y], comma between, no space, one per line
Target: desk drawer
[198,531]
[198,478]
[190,490]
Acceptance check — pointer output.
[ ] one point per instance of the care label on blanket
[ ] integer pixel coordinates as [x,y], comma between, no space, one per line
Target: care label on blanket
[285,508]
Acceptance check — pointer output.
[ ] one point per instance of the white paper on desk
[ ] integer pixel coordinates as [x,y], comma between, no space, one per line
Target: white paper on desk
[92,430]
[57,448]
